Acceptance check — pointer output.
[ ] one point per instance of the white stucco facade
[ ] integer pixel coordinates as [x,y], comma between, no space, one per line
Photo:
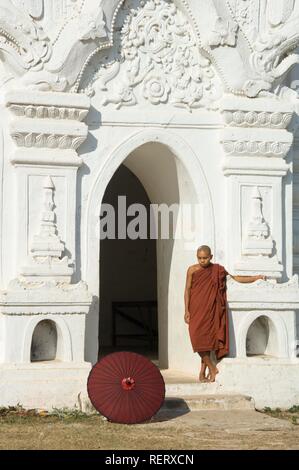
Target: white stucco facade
[197,98]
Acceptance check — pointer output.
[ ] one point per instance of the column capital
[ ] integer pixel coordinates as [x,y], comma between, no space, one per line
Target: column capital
[50,122]
[255,138]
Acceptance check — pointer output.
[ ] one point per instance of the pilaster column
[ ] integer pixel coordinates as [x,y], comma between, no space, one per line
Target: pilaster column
[41,311]
[47,129]
[256,145]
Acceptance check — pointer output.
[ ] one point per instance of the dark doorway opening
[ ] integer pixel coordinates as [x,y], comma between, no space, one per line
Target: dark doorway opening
[128,313]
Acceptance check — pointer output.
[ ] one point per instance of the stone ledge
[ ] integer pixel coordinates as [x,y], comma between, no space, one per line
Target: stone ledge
[208,402]
[59,157]
[47,99]
[24,297]
[264,294]
[253,165]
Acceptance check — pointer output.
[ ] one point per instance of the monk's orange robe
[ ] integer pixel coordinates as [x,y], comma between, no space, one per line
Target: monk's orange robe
[208,326]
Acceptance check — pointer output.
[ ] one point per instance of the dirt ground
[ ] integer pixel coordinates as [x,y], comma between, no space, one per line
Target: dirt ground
[66,430]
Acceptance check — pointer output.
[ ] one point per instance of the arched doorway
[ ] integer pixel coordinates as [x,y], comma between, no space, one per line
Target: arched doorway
[128,317]
[170,174]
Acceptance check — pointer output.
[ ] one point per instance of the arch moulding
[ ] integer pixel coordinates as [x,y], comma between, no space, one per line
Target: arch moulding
[181,150]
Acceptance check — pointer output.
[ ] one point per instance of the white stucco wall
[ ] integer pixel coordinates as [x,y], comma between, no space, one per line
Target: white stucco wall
[208,123]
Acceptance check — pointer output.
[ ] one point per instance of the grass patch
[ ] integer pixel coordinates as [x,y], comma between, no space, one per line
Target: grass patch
[69,414]
[294,409]
[292,414]
[18,414]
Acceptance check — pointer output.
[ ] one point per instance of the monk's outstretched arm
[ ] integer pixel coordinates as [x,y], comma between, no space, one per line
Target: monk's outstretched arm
[248,279]
[187,295]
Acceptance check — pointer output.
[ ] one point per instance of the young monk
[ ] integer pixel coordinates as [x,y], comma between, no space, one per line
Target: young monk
[206,310]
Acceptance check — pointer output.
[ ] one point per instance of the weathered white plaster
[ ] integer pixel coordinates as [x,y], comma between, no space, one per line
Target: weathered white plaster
[45,385]
[205,117]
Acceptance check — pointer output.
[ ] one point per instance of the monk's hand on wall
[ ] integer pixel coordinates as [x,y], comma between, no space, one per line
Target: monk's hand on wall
[187,317]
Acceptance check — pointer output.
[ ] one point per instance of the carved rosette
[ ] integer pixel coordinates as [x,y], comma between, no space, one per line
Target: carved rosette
[224,33]
[259,148]
[48,112]
[46,140]
[259,119]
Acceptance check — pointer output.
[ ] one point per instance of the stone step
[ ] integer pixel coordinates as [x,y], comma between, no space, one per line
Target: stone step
[208,402]
[192,389]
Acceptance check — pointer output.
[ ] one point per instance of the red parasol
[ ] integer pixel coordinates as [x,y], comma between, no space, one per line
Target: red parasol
[126,387]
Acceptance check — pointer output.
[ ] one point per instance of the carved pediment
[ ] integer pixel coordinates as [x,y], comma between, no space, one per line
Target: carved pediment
[251,44]
[155,59]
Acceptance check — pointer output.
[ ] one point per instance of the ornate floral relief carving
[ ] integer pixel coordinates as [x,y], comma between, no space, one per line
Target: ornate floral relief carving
[279,11]
[276,43]
[279,288]
[51,141]
[242,12]
[224,33]
[275,120]
[48,53]
[48,112]
[255,148]
[158,62]
[262,17]
[52,14]
[271,30]
[247,14]
[23,39]
[92,28]
[266,62]
[46,292]
[34,8]
[30,42]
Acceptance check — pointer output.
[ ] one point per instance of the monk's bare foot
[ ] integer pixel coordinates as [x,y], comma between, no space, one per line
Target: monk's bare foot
[202,373]
[203,378]
[212,374]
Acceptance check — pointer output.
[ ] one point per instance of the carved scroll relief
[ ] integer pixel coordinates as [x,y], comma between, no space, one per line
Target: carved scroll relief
[156,60]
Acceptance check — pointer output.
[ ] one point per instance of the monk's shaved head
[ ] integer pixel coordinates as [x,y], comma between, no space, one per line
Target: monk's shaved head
[206,249]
